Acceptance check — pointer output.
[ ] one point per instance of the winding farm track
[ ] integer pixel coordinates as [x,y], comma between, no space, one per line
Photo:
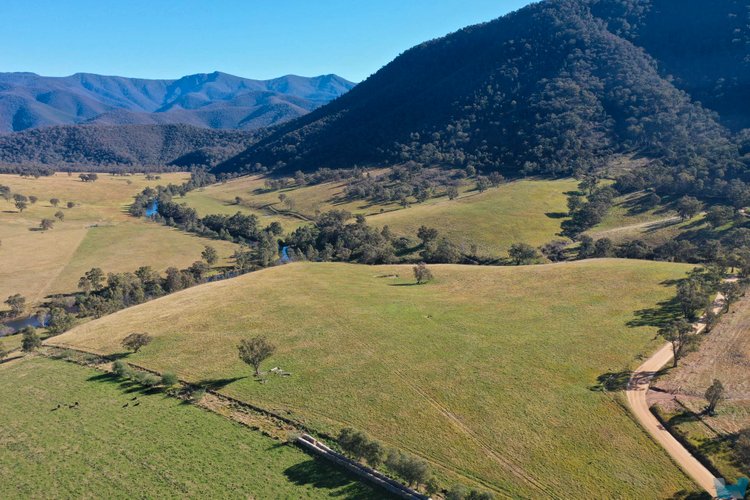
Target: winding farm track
[638,387]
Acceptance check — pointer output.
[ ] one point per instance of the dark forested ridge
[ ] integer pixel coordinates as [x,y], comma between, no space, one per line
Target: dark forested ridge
[121,146]
[551,89]
[216,100]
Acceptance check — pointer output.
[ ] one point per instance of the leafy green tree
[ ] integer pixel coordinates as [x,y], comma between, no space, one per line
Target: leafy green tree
[427,234]
[422,273]
[452,192]
[60,321]
[718,215]
[522,254]
[17,304]
[54,202]
[46,224]
[33,199]
[31,340]
[60,215]
[732,292]
[714,394]
[135,341]
[692,296]
[255,350]
[483,184]
[21,206]
[679,334]
[71,204]
[688,207]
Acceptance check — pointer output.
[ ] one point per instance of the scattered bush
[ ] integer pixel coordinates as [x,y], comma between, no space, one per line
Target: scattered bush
[122,369]
[168,379]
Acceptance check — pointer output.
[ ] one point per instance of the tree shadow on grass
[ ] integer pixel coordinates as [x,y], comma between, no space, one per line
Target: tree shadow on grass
[214,384]
[664,313]
[403,284]
[612,381]
[557,215]
[321,475]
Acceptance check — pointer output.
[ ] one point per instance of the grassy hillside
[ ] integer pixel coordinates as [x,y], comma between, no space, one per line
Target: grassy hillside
[96,232]
[523,211]
[486,372]
[158,449]
[528,211]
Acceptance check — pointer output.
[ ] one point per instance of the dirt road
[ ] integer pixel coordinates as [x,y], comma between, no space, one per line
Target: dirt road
[638,387]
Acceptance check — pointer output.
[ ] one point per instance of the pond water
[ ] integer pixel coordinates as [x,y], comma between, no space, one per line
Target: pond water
[18,324]
[285,254]
[152,209]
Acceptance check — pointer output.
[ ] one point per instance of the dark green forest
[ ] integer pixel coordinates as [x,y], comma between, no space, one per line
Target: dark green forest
[123,147]
[557,88]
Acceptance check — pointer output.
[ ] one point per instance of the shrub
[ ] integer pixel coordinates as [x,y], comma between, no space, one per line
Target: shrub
[147,379]
[168,379]
[121,369]
[196,395]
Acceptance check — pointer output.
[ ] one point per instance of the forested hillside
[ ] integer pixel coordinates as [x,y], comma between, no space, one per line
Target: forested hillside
[555,88]
[127,145]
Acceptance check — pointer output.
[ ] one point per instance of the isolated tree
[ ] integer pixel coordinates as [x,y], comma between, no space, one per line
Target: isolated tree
[732,292]
[427,234]
[522,254]
[71,204]
[254,351]
[680,334]
[452,192]
[422,274]
[135,341]
[688,207]
[210,255]
[237,200]
[714,394]
[46,224]
[496,179]
[21,205]
[17,304]
[59,215]
[54,202]
[33,199]
[31,340]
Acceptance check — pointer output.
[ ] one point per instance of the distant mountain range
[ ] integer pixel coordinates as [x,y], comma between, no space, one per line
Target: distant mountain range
[216,100]
[554,88]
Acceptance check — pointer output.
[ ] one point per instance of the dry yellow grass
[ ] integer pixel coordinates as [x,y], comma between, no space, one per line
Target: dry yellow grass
[96,232]
[486,371]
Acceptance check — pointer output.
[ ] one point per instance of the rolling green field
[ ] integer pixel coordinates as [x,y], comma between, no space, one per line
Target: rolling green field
[486,372]
[96,232]
[527,211]
[161,448]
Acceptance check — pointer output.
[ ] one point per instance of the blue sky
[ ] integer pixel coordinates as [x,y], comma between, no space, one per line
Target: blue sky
[250,38]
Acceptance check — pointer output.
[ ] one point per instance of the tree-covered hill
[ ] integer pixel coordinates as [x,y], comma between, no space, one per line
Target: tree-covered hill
[556,87]
[126,145]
